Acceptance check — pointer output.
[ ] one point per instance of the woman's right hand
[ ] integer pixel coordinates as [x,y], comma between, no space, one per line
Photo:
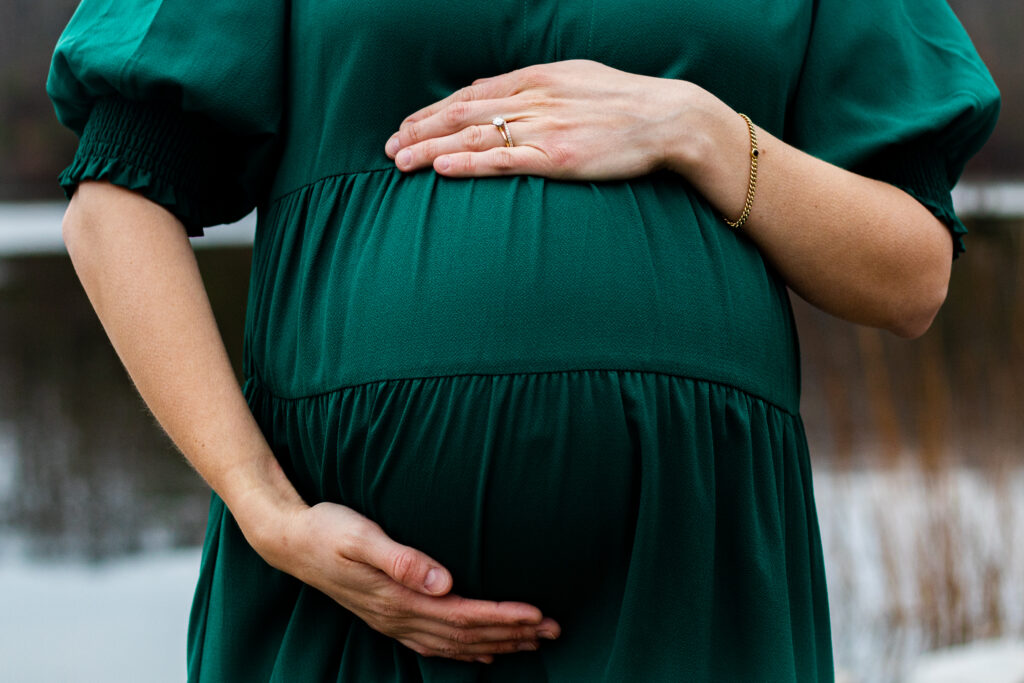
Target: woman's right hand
[397,590]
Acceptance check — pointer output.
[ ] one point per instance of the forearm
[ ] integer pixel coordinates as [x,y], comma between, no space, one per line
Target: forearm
[858,248]
[140,274]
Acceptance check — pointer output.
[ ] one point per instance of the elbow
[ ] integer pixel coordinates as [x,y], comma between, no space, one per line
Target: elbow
[916,316]
[922,297]
[922,281]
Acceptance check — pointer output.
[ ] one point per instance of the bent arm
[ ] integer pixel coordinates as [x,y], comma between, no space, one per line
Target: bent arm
[855,247]
[858,248]
[137,267]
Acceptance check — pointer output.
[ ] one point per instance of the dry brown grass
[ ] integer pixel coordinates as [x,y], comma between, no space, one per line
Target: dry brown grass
[923,445]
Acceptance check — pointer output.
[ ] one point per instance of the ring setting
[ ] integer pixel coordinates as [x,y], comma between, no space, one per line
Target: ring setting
[502,125]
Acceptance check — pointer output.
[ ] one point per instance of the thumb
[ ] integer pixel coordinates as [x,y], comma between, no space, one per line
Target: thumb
[413,569]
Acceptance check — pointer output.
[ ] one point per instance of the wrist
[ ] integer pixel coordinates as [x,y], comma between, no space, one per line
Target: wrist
[713,152]
[706,135]
[264,503]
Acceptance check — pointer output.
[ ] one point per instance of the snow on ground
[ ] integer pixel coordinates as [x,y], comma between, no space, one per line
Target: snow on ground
[890,536]
[916,561]
[118,621]
[995,661]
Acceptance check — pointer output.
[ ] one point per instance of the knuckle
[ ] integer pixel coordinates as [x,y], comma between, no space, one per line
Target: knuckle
[382,625]
[522,633]
[458,620]
[356,538]
[535,77]
[403,565]
[503,159]
[561,155]
[462,637]
[467,93]
[450,651]
[426,150]
[473,136]
[535,103]
[506,646]
[456,112]
[466,164]
[410,133]
[391,610]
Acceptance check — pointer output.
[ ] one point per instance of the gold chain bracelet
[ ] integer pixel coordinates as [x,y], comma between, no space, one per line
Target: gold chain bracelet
[752,185]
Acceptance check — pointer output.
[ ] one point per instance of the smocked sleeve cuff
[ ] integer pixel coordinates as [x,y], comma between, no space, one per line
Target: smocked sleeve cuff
[924,176]
[157,151]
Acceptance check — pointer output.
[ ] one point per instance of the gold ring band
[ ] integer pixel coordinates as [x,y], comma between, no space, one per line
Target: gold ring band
[502,126]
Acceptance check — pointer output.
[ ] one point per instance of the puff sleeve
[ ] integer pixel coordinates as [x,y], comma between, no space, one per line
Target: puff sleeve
[179,100]
[894,90]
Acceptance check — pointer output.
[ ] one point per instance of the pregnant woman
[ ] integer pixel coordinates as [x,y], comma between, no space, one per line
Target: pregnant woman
[522,380]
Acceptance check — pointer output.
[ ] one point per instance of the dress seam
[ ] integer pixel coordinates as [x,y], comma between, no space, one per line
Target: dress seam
[264,387]
[305,186]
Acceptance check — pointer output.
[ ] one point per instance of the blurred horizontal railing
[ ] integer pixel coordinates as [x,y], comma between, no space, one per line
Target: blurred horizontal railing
[34,227]
[1002,199]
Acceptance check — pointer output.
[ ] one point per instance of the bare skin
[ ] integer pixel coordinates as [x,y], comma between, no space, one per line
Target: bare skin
[855,247]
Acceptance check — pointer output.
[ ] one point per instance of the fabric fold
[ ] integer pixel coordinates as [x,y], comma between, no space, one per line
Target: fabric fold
[586,485]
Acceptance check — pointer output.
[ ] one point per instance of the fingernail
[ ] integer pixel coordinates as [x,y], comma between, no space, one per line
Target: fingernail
[404,157]
[483,660]
[443,163]
[544,633]
[434,581]
[528,646]
[392,146]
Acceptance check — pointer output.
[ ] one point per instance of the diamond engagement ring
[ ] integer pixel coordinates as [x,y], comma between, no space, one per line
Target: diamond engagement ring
[502,126]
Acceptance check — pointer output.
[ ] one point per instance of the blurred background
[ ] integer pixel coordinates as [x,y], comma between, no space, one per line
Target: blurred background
[918,446]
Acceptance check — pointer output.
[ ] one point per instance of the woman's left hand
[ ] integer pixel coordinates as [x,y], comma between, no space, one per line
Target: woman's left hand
[575,119]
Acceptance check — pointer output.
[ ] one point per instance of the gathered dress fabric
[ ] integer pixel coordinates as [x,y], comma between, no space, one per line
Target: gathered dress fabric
[581,395]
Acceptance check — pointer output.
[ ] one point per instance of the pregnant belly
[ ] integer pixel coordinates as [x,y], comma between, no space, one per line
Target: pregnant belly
[381,276]
[526,487]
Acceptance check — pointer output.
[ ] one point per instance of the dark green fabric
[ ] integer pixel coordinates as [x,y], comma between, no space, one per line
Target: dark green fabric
[581,394]
[667,523]
[894,89]
[216,64]
[175,160]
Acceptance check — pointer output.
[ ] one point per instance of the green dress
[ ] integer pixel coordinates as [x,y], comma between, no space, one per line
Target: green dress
[582,395]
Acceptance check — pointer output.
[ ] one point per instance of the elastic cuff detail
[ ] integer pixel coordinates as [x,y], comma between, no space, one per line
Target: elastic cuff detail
[167,156]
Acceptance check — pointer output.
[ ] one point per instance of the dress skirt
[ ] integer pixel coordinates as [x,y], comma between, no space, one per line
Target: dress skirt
[668,524]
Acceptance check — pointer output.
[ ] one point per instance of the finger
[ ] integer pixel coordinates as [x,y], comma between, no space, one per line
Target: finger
[481,89]
[430,645]
[455,117]
[407,566]
[466,94]
[483,634]
[462,613]
[427,652]
[497,161]
[469,139]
